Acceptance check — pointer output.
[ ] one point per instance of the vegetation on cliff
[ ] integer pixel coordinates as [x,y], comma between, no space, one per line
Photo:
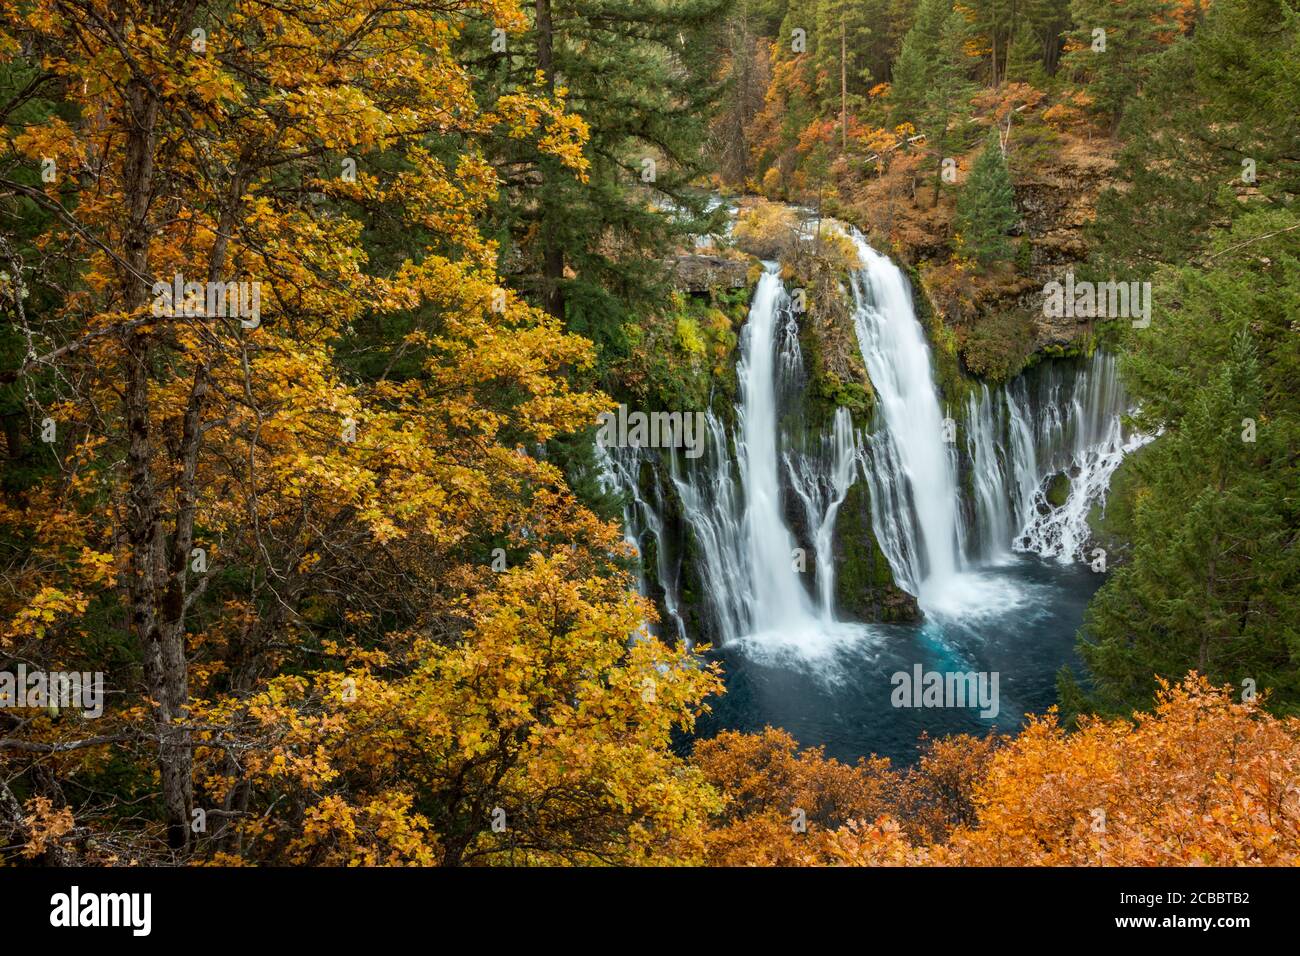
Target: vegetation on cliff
[340,555]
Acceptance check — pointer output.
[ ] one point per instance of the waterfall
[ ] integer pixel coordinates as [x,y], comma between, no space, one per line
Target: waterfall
[944,537]
[1051,422]
[912,461]
[822,481]
[732,506]
[780,599]
[986,426]
[749,558]
[1054,421]
[618,470]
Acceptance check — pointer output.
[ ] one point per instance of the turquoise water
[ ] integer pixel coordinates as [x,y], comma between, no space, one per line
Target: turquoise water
[1023,629]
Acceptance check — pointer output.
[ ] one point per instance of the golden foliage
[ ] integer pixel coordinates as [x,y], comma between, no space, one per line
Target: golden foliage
[1203,780]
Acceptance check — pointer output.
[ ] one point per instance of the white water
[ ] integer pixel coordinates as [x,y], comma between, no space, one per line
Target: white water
[749,559]
[779,597]
[821,482]
[1021,436]
[761,594]
[913,469]
[618,471]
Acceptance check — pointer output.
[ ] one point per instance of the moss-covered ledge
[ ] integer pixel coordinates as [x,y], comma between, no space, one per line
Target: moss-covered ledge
[822,268]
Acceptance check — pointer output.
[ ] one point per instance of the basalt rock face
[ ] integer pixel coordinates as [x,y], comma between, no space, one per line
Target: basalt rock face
[864,583]
[1058,202]
[706,274]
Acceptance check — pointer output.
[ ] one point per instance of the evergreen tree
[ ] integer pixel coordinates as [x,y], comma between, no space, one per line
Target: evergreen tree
[986,208]
[746,52]
[918,59]
[840,46]
[1211,136]
[1024,59]
[1115,47]
[948,97]
[994,22]
[643,76]
[1214,580]
[1046,21]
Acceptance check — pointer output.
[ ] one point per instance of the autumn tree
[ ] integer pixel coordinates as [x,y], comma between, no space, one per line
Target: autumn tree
[313,460]
[1206,779]
[778,797]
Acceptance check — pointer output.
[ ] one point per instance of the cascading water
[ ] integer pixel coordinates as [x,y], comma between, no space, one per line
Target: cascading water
[912,466]
[1017,439]
[965,503]
[748,560]
[779,596]
[821,481]
[619,469]
[1041,426]
[944,537]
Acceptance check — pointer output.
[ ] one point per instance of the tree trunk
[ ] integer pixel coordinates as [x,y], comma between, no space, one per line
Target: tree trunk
[552,251]
[162,649]
[844,89]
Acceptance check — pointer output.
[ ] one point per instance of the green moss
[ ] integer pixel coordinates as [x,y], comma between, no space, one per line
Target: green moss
[837,377]
[1058,491]
[684,357]
[864,582]
[954,385]
[998,347]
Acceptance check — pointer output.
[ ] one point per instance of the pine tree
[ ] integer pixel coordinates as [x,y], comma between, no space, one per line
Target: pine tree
[1213,583]
[918,59]
[1046,20]
[1024,59]
[644,79]
[747,67]
[840,45]
[1115,46]
[986,208]
[994,22]
[948,96]
[1208,138]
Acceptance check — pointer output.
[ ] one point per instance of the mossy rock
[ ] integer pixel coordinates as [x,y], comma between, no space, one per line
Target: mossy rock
[837,376]
[1112,526]
[953,383]
[864,582]
[997,347]
[1058,490]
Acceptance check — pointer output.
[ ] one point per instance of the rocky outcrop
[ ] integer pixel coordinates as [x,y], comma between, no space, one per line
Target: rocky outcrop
[864,582]
[1058,200]
[837,376]
[994,313]
[705,274]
